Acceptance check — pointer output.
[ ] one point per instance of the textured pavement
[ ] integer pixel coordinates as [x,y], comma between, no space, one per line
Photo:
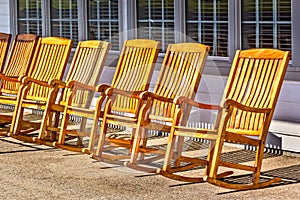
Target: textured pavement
[30,171]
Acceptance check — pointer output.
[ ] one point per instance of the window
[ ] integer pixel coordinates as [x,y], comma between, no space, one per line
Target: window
[207,23]
[155,20]
[103,21]
[224,25]
[266,24]
[64,19]
[29,16]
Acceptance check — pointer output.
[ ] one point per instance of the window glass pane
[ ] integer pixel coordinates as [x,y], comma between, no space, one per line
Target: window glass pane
[249,10]
[207,23]
[103,21]
[284,10]
[64,19]
[284,40]
[266,10]
[156,20]
[266,24]
[29,17]
[266,36]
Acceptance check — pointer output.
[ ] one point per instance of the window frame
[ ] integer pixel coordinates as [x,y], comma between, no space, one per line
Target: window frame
[128,24]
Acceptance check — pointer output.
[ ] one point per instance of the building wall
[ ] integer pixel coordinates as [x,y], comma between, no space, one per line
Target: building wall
[4,16]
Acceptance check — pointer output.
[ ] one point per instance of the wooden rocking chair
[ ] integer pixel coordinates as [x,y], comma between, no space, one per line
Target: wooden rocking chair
[86,68]
[133,73]
[47,68]
[244,117]
[4,46]
[17,65]
[180,74]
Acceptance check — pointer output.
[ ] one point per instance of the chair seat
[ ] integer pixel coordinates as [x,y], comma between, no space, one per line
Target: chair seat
[120,120]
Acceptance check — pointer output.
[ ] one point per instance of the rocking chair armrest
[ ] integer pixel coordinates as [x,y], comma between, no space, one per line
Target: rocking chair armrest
[233,103]
[27,80]
[131,94]
[21,78]
[145,95]
[9,78]
[72,84]
[60,83]
[180,100]
[102,87]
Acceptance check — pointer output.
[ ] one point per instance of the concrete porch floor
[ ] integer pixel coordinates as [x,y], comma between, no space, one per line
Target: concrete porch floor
[30,171]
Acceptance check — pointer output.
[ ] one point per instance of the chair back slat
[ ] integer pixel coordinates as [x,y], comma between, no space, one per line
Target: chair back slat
[179,76]
[4,46]
[86,67]
[255,80]
[134,71]
[50,60]
[19,60]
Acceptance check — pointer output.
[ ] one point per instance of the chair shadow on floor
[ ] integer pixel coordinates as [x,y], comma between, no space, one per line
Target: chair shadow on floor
[30,147]
[289,175]
[235,156]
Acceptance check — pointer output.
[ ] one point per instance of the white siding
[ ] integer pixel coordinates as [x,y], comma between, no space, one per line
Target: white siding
[4,16]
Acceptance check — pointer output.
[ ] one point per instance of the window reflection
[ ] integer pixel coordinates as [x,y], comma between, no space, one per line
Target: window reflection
[64,19]
[207,23]
[156,21]
[103,21]
[29,16]
[266,24]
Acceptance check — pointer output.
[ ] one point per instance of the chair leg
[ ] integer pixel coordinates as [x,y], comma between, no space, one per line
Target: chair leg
[180,142]
[102,137]
[93,135]
[143,143]
[136,144]
[83,124]
[63,129]
[17,120]
[56,117]
[214,165]
[46,121]
[18,112]
[82,129]
[258,164]
[169,152]
[211,149]
[131,140]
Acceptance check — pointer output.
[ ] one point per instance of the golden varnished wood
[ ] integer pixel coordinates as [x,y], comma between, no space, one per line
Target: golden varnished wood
[17,65]
[48,64]
[133,73]
[180,74]
[246,109]
[77,91]
[4,46]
